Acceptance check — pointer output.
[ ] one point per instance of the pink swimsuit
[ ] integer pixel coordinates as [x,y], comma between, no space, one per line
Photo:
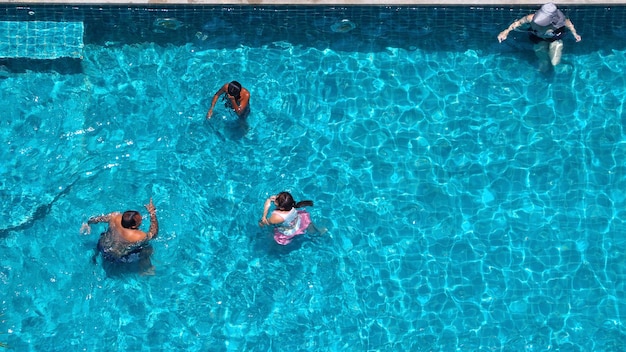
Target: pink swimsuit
[294,223]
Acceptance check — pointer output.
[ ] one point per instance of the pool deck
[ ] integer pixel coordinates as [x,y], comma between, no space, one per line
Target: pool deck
[503,3]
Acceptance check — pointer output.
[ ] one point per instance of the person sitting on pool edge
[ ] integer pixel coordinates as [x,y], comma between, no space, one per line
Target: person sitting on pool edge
[547,28]
[123,242]
[237,98]
[288,222]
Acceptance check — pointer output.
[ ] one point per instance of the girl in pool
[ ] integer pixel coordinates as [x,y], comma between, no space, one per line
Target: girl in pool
[288,222]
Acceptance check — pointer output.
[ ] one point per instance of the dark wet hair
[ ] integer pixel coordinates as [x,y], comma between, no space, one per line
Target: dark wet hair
[129,219]
[234,89]
[284,201]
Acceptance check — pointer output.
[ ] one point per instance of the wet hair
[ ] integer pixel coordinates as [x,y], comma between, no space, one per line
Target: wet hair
[129,219]
[234,89]
[284,201]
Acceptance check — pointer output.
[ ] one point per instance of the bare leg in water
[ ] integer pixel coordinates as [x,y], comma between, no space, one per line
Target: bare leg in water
[556,50]
[320,230]
[542,52]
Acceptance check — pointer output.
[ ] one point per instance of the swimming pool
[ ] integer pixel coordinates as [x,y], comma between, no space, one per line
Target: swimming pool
[473,202]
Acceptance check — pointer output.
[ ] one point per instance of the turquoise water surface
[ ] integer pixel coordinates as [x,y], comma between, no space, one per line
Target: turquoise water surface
[472,202]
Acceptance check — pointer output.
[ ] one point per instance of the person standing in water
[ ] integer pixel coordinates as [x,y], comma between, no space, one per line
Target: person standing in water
[287,220]
[237,98]
[123,242]
[547,29]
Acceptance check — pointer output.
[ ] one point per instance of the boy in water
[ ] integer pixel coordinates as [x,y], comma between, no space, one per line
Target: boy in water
[123,242]
[237,98]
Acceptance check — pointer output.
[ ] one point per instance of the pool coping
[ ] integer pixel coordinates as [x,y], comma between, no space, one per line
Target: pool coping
[500,3]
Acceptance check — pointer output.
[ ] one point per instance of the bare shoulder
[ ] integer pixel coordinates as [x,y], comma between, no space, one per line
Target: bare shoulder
[133,236]
[277,217]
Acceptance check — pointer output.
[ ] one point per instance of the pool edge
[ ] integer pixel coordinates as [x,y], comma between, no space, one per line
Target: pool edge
[503,3]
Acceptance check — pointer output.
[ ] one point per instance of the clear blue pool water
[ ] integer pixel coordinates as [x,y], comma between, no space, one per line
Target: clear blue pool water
[472,202]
